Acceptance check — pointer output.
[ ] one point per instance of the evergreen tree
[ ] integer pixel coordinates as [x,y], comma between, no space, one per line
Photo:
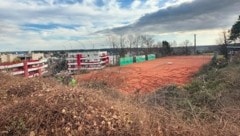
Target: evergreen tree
[235,31]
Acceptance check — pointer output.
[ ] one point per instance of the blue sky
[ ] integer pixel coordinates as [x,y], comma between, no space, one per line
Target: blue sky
[81,24]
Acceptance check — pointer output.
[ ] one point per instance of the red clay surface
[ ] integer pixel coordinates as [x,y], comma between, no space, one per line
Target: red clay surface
[150,75]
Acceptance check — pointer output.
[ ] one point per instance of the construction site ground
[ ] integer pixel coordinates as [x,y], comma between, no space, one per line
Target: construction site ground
[150,75]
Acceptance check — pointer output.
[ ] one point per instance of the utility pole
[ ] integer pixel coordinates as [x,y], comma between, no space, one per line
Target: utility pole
[195,43]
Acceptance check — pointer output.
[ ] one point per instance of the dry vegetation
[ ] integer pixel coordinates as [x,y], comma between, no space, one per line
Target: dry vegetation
[209,105]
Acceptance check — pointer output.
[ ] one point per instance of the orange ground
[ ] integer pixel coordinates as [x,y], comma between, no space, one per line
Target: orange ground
[149,75]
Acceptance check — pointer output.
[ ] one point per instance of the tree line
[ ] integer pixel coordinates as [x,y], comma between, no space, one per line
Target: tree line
[133,44]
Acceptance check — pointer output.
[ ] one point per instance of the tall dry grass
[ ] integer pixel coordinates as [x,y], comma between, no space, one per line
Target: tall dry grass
[208,106]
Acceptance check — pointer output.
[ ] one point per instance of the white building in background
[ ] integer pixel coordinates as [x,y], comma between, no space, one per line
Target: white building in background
[27,65]
[10,58]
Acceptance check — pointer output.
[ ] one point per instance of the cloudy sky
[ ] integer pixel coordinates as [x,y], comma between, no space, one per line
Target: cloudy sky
[84,24]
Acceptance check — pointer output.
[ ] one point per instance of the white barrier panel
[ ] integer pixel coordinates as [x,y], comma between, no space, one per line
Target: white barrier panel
[87,60]
[113,59]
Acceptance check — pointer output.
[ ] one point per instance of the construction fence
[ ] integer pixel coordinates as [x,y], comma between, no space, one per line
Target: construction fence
[125,61]
[141,58]
[151,56]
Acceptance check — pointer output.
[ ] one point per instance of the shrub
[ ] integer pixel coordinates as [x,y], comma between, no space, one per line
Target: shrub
[220,63]
[236,58]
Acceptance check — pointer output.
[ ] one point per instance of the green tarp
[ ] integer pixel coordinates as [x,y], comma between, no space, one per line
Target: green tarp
[151,56]
[129,60]
[126,61]
[141,58]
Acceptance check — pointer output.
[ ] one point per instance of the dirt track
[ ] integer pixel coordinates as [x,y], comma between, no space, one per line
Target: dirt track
[150,75]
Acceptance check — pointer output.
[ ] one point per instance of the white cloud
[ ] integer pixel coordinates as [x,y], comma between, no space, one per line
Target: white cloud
[135,4]
[86,17]
[173,3]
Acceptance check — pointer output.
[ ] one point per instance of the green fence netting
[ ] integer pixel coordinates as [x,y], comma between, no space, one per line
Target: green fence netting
[151,56]
[126,61]
[141,58]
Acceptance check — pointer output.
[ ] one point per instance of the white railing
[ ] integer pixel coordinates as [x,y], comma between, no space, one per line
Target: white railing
[93,60]
[37,62]
[21,64]
[37,68]
[11,66]
[18,72]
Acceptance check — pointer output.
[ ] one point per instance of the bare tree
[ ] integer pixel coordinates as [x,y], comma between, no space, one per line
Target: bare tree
[186,44]
[158,48]
[159,44]
[122,42]
[112,41]
[137,43]
[223,42]
[131,41]
[148,42]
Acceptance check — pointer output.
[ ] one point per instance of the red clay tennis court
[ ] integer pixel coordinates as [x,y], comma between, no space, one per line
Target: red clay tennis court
[150,75]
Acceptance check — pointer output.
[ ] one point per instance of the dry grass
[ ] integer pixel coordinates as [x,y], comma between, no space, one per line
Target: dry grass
[41,106]
[61,110]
